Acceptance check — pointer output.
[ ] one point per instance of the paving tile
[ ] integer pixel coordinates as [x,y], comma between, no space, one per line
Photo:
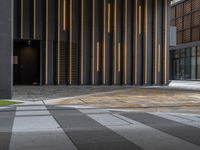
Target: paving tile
[149,138]
[185,119]
[6,123]
[108,120]
[36,123]
[56,140]
[31,108]
[179,130]
[87,134]
[32,113]
[93,111]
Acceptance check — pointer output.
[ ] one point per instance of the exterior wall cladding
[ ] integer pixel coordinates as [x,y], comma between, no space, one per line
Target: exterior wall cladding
[94,42]
[185,56]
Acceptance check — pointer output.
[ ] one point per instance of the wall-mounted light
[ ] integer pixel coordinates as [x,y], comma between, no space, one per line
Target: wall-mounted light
[108,17]
[115,41]
[97,56]
[93,39]
[29,42]
[22,19]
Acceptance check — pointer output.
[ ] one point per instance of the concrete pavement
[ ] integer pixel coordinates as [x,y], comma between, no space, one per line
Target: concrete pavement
[101,118]
[50,127]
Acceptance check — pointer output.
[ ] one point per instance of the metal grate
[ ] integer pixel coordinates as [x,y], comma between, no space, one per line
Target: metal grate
[187,22]
[63,63]
[196,18]
[179,37]
[195,4]
[187,7]
[186,35]
[196,34]
[179,23]
[179,10]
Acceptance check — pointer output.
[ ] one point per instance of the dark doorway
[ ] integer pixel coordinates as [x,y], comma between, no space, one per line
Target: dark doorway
[26,62]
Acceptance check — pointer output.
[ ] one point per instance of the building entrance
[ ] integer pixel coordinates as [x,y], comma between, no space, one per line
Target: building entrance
[26,62]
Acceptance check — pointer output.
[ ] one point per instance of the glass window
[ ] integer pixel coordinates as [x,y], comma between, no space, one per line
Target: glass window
[188,52]
[186,64]
[176,54]
[188,68]
[198,51]
[193,68]
[198,67]
[182,53]
[176,68]
[182,68]
[193,53]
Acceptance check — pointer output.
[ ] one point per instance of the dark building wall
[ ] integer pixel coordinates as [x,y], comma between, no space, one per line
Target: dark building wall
[6,48]
[103,41]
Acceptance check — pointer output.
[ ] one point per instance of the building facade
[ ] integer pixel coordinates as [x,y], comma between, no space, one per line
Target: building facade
[185,57]
[88,42]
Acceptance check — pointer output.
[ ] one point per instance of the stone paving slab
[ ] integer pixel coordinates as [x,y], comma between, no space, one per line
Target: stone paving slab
[28,108]
[55,140]
[149,138]
[32,132]
[191,120]
[32,113]
[6,122]
[93,111]
[36,123]
[180,130]
[108,120]
[88,134]
[56,128]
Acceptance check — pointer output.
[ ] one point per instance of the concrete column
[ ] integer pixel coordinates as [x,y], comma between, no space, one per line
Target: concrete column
[160,42]
[168,38]
[6,48]
[149,42]
[139,72]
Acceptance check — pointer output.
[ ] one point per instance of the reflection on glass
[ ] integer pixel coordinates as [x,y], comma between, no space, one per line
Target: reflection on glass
[182,68]
[198,63]
[186,64]
[198,67]
[193,53]
[193,68]
[188,68]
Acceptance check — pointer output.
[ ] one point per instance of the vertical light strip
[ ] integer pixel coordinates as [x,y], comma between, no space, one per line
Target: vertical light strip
[82,38]
[159,58]
[93,38]
[155,40]
[145,40]
[64,15]
[97,56]
[58,52]
[108,17]
[47,38]
[115,41]
[125,41]
[140,19]
[119,57]
[70,44]
[165,42]
[22,19]
[34,18]
[104,44]
[136,39]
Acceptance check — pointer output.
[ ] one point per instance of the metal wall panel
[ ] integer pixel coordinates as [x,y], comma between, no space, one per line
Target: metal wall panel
[99,41]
